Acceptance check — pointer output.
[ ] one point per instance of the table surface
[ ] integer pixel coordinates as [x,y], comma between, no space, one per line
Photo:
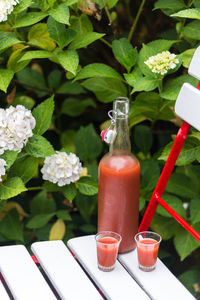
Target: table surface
[63,275]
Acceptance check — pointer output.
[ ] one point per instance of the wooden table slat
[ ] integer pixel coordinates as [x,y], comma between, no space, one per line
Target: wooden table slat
[160,283]
[115,285]
[22,276]
[66,275]
[3,293]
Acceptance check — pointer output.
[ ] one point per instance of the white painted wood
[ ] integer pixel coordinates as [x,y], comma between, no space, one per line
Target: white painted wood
[160,284]
[22,275]
[3,293]
[66,275]
[194,68]
[115,285]
[187,105]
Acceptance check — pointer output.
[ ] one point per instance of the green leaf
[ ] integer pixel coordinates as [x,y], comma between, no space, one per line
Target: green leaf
[133,76]
[22,5]
[11,226]
[10,157]
[51,187]
[71,2]
[84,39]
[197,3]
[8,39]
[59,33]
[31,77]
[166,227]
[69,191]
[88,149]
[38,146]
[42,204]
[81,24]
[150,173]
[98,70]
[175,203]
[124,53]
[87,186]
[74,107]
[174,5]
[149,106]
[68,140]
[39,221]
[60,13]
[195,210]
[191,30]
[145,84]
[38,36]
[172,86]
[28,102]
[13,61]
[105,89]
[5,79]
[111,3]
[93,170]
[185,243]
[86,205]
[25,168]
[64,215]
[187,57]
[43,233]
[191,13]
[43,115]
[69,60]
[11,188]
[35,54]
[189,278]
[181,185]
[143,138]
[152,49]
[189,153]
[29,19]
[71,88]
[54,79]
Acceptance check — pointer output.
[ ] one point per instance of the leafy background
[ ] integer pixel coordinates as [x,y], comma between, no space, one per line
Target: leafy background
[67,60]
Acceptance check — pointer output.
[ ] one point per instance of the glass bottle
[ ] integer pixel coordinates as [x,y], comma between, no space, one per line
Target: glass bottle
[119,182]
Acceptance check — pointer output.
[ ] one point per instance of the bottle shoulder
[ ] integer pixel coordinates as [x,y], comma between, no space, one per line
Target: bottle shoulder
[119,162]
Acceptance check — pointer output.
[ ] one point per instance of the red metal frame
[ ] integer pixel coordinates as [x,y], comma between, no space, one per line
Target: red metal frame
[162,182]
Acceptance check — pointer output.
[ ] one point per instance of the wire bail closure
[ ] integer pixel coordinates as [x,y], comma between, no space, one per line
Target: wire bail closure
[108,134]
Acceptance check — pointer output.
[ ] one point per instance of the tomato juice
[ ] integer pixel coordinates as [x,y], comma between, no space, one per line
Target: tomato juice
[107,249]
[118,201]
[147,250]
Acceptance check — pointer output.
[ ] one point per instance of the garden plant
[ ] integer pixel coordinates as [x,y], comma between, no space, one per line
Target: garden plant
[62,63]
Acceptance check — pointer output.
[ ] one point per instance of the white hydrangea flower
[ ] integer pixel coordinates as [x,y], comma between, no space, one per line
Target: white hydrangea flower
[2,167]
[16,124]
[61,168]
[6,7]
[162,62]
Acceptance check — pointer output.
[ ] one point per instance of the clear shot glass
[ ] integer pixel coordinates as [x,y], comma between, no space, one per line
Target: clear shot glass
[147,243]
[107,243]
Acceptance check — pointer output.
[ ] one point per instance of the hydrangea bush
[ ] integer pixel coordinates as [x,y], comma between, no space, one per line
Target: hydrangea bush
[62,63]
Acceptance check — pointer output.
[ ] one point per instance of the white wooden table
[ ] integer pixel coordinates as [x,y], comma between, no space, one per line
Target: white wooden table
[63,276]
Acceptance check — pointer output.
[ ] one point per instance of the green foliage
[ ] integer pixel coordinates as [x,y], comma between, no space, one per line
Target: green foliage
[67,67]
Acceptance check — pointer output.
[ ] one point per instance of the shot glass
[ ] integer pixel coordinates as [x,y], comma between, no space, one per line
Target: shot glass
[107,243]
[147,243]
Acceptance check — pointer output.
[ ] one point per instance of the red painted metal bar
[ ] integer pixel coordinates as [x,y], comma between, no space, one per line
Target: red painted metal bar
[180,220]
[164,177]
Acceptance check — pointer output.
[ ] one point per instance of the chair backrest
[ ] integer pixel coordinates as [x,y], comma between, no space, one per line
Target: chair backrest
[187,108]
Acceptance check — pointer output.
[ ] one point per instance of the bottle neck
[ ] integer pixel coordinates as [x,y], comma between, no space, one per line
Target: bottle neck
[121,144]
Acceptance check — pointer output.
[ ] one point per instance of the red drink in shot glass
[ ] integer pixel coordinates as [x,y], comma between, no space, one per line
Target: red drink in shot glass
[147,249]
[107,249]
